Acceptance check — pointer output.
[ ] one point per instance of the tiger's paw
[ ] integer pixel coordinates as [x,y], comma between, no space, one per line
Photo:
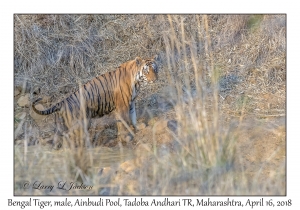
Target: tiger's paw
[139,127]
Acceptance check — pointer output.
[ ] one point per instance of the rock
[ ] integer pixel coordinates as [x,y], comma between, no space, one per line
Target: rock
[173,125]
[24,101]
[36,116]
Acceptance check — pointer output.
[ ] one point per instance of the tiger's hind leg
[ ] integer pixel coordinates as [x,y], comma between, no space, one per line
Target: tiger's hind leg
[78,135]
[60,128]
[132,115]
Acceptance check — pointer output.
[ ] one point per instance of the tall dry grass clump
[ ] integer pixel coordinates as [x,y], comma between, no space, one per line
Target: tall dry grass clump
[213,119]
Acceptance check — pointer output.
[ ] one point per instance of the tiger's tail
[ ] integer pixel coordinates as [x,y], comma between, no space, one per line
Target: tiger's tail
[52,109]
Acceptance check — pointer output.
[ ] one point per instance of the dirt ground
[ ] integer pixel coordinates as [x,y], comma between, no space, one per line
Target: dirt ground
[266,150]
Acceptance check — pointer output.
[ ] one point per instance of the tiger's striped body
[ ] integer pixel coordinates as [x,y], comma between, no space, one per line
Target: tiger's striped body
[103,94]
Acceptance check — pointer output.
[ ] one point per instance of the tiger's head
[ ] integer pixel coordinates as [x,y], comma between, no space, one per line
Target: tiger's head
[148,71]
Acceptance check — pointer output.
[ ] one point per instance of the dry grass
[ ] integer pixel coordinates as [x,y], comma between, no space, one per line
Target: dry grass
[221,82]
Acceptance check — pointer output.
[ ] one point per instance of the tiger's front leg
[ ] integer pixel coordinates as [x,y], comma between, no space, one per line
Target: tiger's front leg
[59,130]
[78,135]
[132,115]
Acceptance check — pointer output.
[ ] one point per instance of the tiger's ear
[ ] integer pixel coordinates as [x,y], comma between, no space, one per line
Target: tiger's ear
[138,61]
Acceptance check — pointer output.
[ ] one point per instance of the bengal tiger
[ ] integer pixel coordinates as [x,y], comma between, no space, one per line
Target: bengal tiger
[112,91]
